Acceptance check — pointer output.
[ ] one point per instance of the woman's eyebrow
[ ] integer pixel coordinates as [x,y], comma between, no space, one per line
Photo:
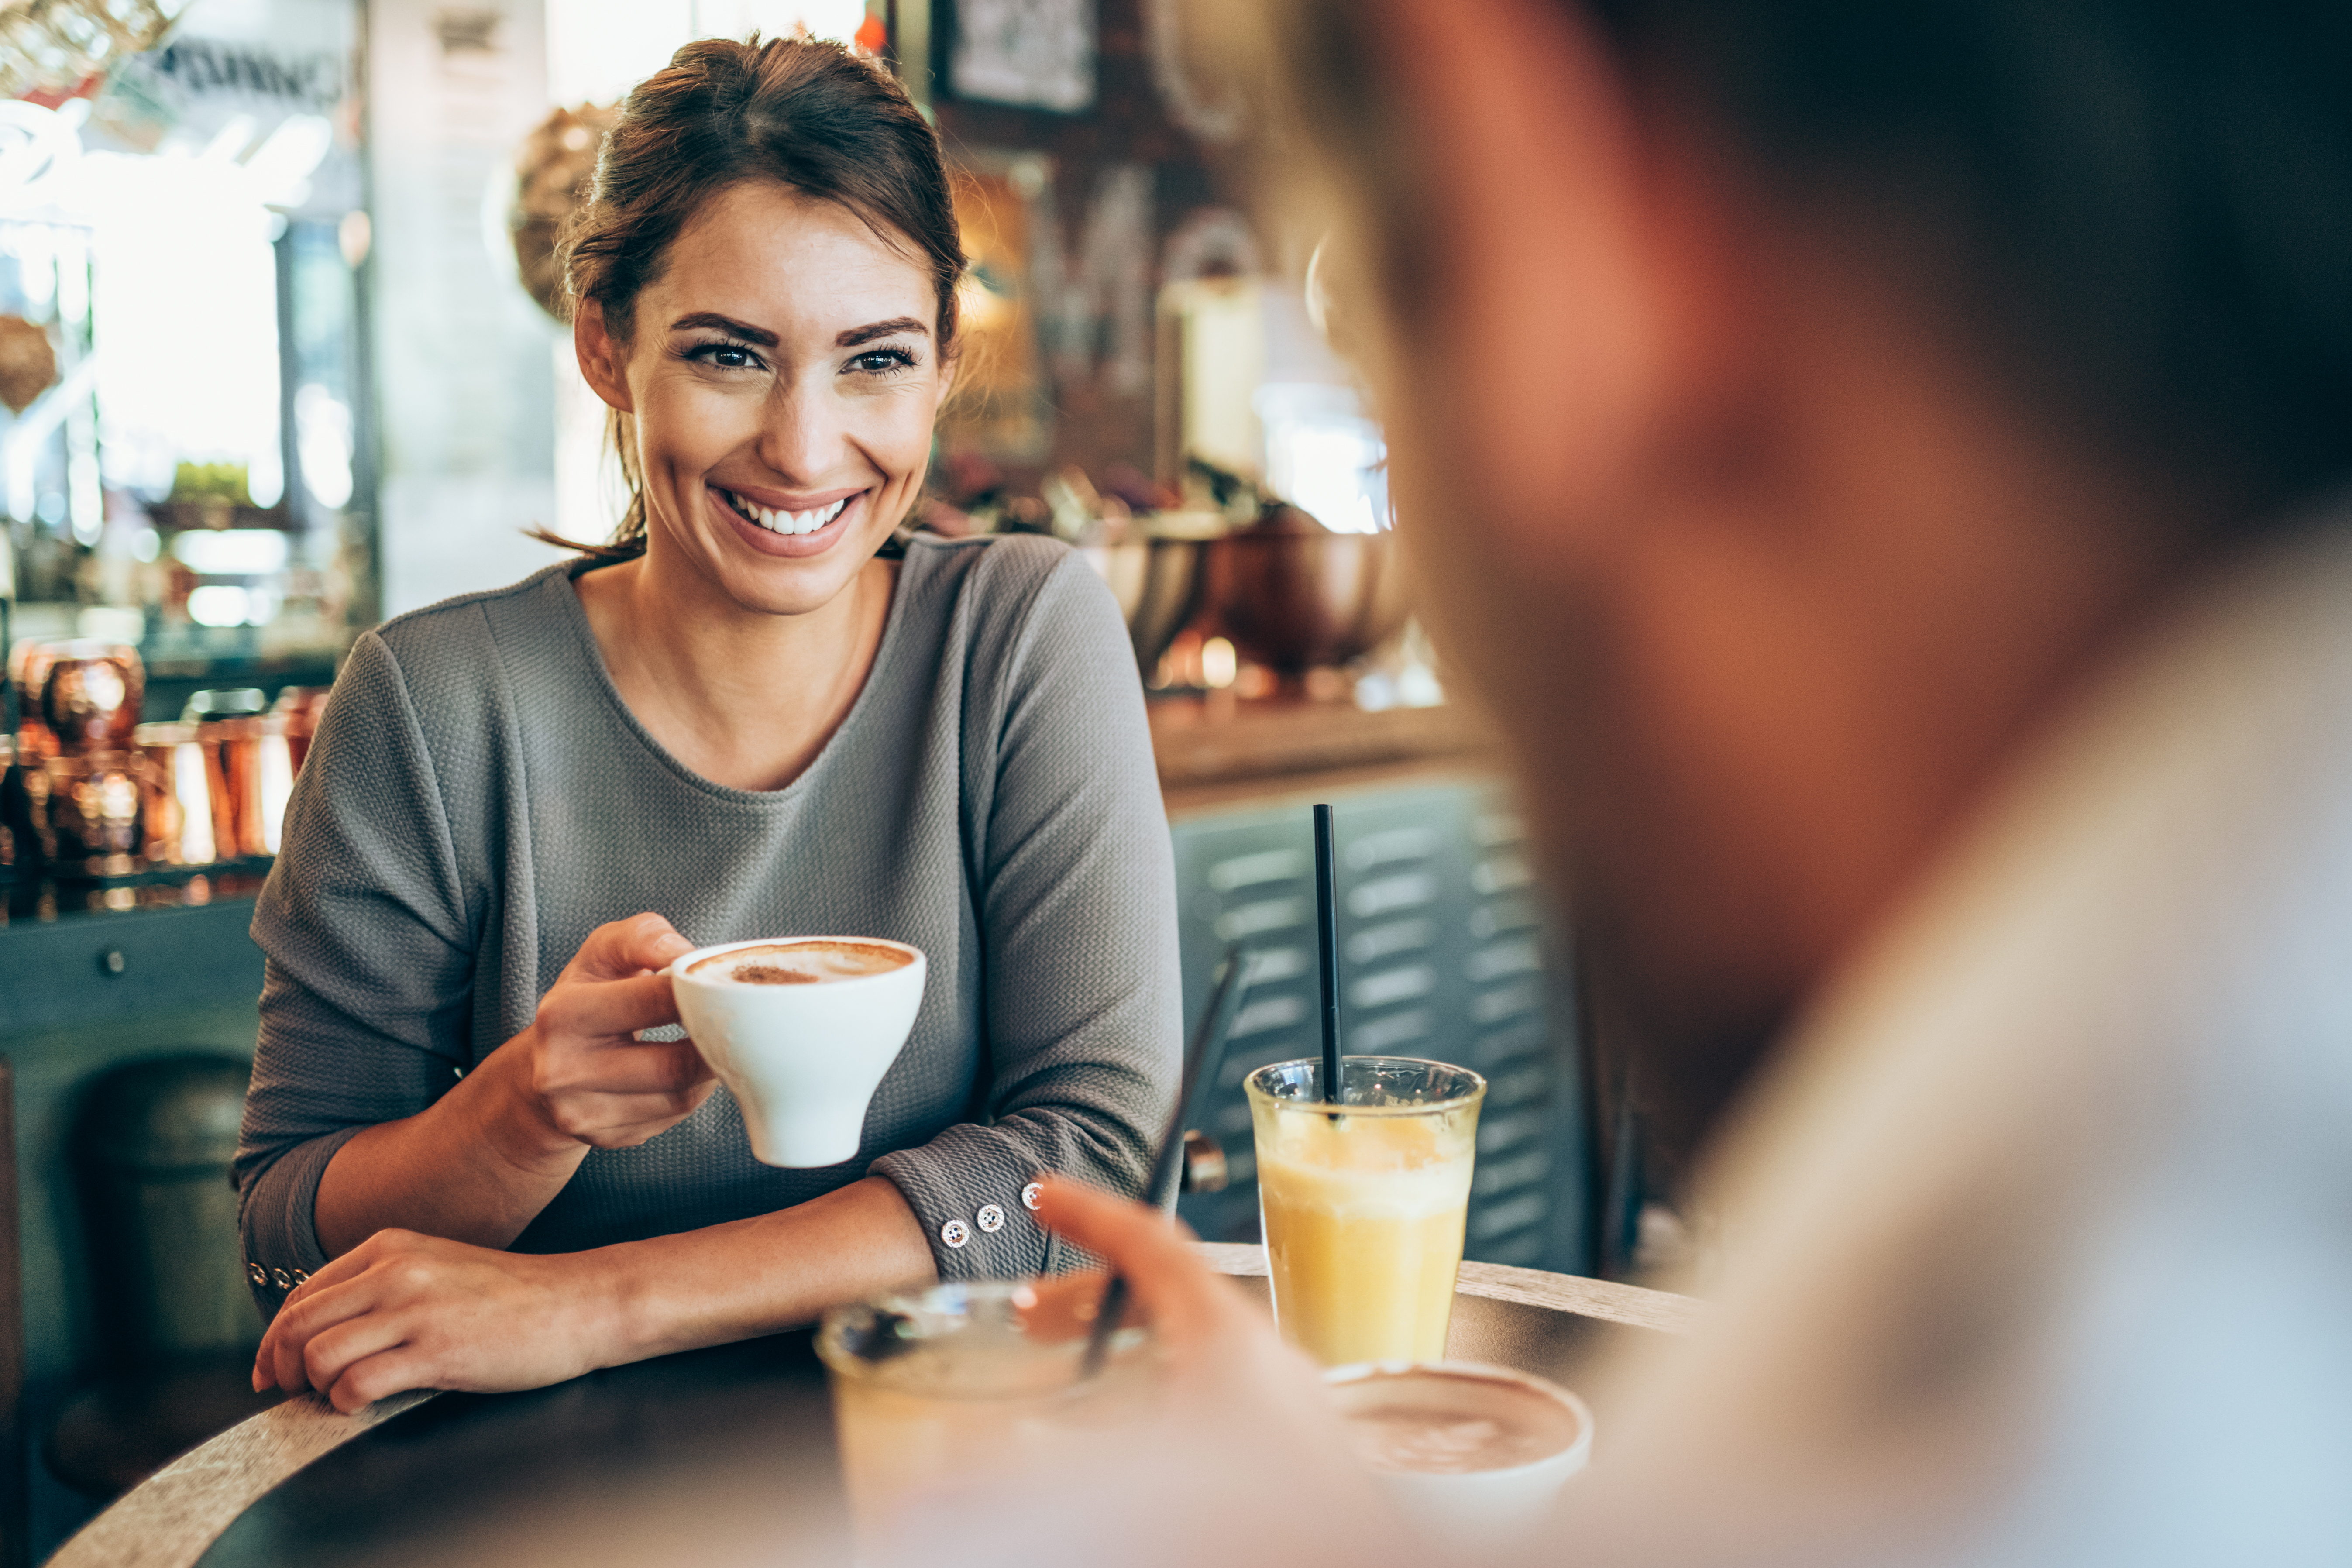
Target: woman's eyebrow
[744,329]
[867,334]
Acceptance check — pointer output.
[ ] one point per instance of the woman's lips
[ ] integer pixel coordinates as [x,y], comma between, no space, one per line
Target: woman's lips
[776,541]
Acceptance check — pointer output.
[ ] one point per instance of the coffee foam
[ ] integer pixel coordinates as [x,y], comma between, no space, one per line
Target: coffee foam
[799,963]
[1429,1422]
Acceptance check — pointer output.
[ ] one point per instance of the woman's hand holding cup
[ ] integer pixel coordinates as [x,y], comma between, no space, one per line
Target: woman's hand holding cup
[581,1077]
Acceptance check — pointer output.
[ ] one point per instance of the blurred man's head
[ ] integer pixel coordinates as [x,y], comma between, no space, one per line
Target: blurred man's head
[1789,400]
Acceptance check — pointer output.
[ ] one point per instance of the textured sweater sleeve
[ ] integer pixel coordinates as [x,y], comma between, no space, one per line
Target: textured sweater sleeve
[1078,904]
[370,963]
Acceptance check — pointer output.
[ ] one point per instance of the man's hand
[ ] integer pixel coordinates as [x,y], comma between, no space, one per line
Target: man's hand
[1220,1346]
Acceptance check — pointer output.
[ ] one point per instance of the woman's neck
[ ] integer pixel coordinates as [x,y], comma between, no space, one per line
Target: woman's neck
[743,698]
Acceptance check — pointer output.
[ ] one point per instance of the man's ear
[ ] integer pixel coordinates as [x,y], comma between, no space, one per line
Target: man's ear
[604,359]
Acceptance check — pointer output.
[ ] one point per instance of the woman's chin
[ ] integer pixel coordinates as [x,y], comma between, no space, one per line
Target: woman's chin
[787,575]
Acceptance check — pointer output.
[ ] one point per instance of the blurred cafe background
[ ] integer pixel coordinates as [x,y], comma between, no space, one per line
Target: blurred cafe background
[276,361]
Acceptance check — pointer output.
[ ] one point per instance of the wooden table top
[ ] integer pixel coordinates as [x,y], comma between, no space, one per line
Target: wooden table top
[718,1456]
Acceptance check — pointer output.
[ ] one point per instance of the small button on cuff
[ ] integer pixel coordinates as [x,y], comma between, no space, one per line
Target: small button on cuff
[278,1278]
[301,1277]
[257,1273]
[991,1218]
[955,1233]
[1029,1194]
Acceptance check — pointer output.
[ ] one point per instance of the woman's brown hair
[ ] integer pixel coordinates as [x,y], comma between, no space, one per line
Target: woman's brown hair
[813,116]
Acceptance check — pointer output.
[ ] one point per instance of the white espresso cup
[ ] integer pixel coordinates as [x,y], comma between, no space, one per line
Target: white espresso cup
[800,1030]
[1471,1456]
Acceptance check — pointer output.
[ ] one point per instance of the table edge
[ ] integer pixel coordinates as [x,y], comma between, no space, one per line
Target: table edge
[171,1518]
[1603,1299]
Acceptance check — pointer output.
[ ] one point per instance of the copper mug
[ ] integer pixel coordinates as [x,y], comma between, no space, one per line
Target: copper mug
[301,706]
[28,662]
[250,769]
[177,796]
[92,804]
[17,845]
[89,693]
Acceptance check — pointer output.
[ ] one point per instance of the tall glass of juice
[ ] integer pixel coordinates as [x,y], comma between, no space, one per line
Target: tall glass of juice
[1363,1198]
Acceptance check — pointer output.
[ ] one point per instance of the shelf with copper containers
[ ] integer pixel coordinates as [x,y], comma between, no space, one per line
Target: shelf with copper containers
[98,811]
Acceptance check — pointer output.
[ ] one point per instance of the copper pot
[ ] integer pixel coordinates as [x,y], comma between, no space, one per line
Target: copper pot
[1294,596]
[89,693]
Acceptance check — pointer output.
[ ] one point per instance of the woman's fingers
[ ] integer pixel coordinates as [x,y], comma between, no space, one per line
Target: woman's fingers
[589,1079]
[621,948]
[331,1353]
[651,1068]
[609,1008]
[379,1376]
[283,1349]
[624,1121]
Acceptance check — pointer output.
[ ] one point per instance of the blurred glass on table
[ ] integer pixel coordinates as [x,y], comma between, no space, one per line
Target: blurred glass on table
[942,1391]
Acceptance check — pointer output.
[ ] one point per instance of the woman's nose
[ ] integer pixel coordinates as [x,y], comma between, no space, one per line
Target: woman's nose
[800,435]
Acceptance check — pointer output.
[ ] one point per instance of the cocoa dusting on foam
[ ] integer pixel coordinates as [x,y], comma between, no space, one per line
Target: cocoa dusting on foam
[801,962]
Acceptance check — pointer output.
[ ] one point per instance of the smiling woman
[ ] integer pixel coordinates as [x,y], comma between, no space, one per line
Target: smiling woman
[760,710]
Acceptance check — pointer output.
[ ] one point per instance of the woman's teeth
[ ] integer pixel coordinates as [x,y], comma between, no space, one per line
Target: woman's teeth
[807,521]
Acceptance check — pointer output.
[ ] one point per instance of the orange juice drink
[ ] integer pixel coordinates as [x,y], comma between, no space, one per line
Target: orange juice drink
[1363,1203]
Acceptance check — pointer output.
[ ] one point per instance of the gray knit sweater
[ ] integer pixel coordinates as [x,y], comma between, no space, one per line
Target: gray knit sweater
[479,799]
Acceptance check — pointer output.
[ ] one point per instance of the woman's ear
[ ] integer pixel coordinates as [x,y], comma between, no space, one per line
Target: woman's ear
[604,360]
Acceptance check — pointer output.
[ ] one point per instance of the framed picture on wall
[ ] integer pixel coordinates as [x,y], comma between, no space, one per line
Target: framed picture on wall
[1036,53]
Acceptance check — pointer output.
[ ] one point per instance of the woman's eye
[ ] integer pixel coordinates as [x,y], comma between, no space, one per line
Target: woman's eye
[882,361]
[724,356]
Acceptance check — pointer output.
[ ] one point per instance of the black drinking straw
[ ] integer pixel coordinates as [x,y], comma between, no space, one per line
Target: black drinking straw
[1200,1075]
[1326,931]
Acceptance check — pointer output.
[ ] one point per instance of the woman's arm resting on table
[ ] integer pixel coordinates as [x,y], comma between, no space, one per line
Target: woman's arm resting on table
[1077,889]
[402,1311]
[484,1159]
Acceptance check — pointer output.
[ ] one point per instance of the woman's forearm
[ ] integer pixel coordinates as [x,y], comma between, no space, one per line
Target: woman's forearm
[407,1310]
[758,1276]
[470,1168]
